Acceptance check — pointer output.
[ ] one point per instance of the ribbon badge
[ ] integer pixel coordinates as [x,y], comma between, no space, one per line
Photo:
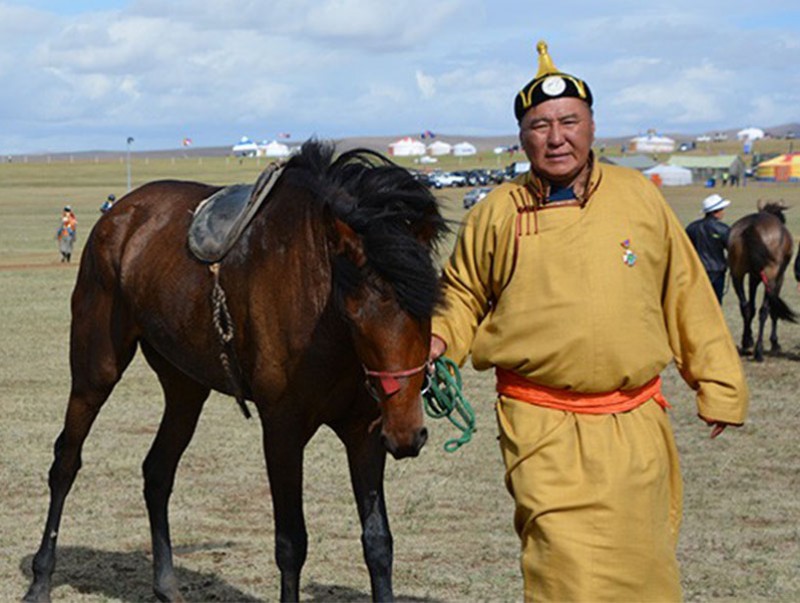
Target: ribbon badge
[628,258]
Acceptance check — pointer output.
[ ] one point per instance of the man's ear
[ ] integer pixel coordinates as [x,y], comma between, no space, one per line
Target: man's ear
[347,243]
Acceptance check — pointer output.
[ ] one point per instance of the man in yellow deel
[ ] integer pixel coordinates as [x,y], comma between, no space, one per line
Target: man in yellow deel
[578,285]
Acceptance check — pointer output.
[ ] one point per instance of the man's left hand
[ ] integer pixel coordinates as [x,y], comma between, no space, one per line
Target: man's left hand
[717,427]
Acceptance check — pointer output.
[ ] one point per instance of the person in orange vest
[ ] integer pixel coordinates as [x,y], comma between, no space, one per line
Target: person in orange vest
[578,286]
[70,215]
[65,235]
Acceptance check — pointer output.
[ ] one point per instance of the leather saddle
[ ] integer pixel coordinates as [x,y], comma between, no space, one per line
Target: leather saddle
[220,220]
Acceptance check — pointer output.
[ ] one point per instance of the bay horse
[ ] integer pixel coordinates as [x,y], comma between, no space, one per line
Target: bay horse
[330,292]
[761,246]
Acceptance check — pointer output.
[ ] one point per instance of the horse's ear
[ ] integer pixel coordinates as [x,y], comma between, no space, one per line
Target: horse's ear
[347,243]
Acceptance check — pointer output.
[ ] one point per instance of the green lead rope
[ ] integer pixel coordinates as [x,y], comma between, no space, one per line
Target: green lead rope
[444,399]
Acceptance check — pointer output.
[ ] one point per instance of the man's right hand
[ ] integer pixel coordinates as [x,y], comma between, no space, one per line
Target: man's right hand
[438,347]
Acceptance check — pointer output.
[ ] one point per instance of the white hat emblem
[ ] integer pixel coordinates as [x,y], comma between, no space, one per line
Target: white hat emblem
[554,85]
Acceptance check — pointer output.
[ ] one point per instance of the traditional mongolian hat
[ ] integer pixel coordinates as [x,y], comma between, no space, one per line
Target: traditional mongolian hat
[548,84]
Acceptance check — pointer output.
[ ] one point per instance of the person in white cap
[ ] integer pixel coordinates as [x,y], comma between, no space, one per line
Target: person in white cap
[709,235]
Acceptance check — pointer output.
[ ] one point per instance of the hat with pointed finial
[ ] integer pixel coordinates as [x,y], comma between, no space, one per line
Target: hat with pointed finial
[548,84]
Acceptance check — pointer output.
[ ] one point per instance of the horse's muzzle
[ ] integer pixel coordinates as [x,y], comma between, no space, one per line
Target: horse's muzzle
[406,450]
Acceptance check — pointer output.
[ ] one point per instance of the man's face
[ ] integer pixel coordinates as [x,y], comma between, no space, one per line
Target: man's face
[557,136]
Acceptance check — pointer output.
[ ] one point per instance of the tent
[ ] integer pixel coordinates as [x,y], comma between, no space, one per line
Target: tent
[651,143]
[750,134]
[710,166]
[440,148]
[463,149]
[636,162]
[783,168]
[245,147]
[273,149]
[407,147]
[670,175]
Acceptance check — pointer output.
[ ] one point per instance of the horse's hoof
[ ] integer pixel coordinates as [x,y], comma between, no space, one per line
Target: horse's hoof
[38,593]
[168,594]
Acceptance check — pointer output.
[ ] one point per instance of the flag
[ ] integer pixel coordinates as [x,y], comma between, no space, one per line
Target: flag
[284,135]
[187,142]
[427,134]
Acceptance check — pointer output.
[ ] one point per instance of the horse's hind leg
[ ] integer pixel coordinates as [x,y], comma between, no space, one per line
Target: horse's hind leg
[747,314]
[763,314]
[366,458]
[775,347]
[98,356]
[184,399]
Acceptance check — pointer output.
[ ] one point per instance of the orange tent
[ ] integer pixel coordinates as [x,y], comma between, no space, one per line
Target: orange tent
[783,168]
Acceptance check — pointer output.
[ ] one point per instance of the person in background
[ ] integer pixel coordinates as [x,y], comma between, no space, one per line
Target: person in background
[108,203]
[577,284]
[709,235]
[65,235]
[72,220]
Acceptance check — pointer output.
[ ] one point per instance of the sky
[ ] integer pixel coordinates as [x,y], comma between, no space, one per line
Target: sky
[80,75]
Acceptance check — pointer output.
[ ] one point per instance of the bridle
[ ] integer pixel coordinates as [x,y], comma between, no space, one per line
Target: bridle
[389,380]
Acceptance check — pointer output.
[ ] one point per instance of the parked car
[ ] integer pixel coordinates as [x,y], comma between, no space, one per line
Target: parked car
[475,195]
[442,179]
[422,178]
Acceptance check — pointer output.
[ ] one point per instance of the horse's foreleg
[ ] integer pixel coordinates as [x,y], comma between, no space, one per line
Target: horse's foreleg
[366,458]
[184,401]
[284,441]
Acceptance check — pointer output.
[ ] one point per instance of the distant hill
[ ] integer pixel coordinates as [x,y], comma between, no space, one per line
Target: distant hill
[378,143]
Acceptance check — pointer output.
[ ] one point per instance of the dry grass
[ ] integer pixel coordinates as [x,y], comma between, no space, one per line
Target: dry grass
[450,514]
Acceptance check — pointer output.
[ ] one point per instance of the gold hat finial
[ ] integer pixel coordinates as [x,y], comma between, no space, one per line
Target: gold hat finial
[545,62]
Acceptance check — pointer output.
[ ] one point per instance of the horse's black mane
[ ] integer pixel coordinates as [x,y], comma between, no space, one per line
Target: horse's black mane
[396,216]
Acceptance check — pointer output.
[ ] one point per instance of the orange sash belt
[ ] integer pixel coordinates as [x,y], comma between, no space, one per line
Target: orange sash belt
[512,385]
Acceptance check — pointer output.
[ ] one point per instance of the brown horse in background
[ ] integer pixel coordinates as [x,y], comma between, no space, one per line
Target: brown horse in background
[333,283]
[761,246]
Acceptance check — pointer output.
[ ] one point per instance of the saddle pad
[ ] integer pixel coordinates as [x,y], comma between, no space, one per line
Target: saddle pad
[220,219]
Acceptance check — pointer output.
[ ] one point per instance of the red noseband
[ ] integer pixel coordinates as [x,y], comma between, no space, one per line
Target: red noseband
[389,379]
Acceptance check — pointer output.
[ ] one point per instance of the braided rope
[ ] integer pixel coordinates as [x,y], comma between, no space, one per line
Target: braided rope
[223,323]
[444,399]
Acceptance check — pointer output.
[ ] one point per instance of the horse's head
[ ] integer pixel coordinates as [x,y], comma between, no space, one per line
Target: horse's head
[382,227]
[383,232]
[391,338]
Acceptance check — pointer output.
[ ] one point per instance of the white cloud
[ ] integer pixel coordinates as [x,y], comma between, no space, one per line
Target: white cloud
[212,68]
[426,84]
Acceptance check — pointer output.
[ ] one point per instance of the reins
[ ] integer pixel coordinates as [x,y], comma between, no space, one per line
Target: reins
[441,395]
[444,398]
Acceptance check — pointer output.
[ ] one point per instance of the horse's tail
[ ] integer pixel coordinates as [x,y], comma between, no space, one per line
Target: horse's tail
[778,308]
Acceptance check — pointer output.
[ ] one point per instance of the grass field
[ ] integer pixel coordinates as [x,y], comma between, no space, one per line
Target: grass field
[450,514]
